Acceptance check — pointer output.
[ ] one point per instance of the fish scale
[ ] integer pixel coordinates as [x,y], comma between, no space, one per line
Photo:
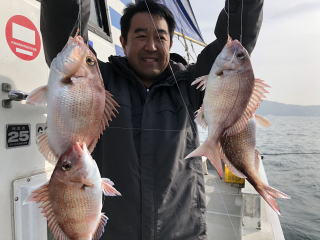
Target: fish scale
[240,151]
[229,99]
[72,200]
[79,107]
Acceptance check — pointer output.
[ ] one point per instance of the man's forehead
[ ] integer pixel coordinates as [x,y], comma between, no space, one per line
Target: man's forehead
[143,22]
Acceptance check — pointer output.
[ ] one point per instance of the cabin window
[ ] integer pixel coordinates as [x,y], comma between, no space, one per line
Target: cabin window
[99,21]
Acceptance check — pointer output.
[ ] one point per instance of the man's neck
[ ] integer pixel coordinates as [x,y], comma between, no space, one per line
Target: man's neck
[147,82]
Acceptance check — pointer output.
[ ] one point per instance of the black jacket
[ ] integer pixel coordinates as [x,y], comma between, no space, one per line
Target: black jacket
[143,150]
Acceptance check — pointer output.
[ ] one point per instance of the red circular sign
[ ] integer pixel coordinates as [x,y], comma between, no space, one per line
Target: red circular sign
[23,37]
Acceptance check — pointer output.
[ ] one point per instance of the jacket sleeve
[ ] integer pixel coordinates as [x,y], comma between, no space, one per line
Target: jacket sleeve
[251,23]
[59,20]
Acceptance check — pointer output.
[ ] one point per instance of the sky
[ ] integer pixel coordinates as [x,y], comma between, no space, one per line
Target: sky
[287,52]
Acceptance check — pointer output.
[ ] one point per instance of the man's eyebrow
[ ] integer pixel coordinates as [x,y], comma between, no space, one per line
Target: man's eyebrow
[162,31]
[144,30]
[139,30]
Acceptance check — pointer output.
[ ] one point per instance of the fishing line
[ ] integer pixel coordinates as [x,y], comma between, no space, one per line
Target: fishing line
[192,125]
[148,129]
[227,212]
[241,20]
[228,21]
[291,153]
[175,79]
[80,17]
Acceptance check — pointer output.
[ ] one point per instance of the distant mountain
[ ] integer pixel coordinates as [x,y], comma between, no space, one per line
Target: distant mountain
[281,109]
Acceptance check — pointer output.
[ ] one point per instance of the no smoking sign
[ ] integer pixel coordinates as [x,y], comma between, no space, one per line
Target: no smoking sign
[23,37]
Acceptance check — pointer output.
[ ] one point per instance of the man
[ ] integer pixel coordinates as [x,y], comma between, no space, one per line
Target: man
[143,150]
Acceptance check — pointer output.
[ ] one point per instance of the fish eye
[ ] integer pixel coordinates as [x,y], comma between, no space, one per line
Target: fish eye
[219,73]
[90,61]
[241,55]
[66,166]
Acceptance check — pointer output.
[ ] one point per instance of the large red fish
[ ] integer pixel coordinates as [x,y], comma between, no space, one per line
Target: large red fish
[243,160]
[72,200]
[232,95]
[78,105]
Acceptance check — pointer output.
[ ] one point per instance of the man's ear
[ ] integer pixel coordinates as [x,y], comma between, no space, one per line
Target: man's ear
[123,43]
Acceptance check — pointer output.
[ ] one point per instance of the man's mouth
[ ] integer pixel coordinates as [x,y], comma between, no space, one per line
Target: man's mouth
[149,60]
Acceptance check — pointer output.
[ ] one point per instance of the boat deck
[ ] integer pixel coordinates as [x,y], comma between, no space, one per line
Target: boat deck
[235,213]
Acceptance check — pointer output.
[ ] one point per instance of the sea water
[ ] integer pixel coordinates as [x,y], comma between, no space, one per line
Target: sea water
[295,170]
[291,157]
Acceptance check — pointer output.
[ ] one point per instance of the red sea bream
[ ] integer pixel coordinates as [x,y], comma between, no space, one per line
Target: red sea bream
[78,106]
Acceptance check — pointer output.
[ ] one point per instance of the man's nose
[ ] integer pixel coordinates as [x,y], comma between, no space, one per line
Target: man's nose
[151,45]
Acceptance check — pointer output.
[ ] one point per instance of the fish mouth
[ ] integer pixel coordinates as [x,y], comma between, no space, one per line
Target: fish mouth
[81,148]
[236,46]
[70,59]
[78,147]
[77,40]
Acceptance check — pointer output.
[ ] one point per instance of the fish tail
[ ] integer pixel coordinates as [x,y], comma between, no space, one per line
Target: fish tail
[275,193]
[270,195]
[211,152]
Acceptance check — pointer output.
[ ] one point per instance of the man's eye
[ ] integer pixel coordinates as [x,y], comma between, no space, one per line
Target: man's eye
[163,38]
[141,36]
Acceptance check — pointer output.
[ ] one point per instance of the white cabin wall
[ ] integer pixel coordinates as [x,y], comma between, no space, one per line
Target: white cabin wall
[115,10]
[22,75]
[26,75]
[26,161]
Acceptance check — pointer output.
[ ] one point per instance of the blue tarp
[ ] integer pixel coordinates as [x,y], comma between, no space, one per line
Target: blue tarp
[184,16]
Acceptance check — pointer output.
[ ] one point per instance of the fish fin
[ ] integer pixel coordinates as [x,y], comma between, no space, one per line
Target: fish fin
[108,189]
[262,121]
[211,152]
[93,144]
[270,194]
[253,104]
[100,229]
[200,117]
[108,181]
[271,201]
[41,196]
[44,148]
[56,231]
[38,96]
[275,193]
[201,81]
[38,194]
[110,111]
[232,168]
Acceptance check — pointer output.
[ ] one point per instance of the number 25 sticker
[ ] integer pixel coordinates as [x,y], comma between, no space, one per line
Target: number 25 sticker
[18,135]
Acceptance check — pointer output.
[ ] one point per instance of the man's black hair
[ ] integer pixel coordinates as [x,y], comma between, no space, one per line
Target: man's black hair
[142,7]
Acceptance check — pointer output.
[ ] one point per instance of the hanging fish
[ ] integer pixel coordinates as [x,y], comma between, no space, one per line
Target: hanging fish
[243,160]
[79,107]
[232,95]
[72,200]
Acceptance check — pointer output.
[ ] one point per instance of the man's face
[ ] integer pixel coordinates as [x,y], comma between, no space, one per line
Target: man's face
[147,54]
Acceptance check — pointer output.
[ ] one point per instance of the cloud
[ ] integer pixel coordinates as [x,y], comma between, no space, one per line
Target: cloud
[286,55]
[291,9]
